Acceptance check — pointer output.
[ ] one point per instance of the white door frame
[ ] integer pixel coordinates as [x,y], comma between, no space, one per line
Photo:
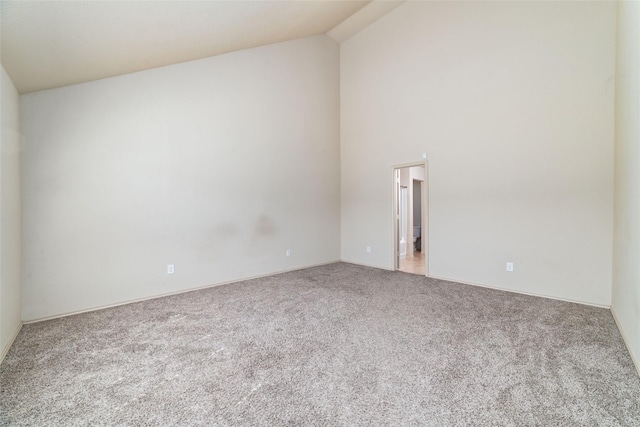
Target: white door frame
[424,212]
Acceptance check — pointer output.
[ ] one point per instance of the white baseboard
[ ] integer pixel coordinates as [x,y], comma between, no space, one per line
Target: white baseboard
[497,288]
[6,348]
[102,307]
[634,358]
[366,265]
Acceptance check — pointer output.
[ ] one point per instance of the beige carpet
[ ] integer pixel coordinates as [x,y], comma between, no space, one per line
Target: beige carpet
[333,345]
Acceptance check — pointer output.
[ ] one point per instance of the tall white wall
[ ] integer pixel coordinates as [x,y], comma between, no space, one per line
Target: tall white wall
[10,246]
[626,240]
[514,104]
[217,166]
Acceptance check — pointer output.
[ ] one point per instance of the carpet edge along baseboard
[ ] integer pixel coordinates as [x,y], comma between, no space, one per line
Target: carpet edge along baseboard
[197,288]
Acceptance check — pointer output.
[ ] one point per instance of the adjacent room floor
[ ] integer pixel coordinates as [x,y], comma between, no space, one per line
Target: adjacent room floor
[413,264]
[334,345]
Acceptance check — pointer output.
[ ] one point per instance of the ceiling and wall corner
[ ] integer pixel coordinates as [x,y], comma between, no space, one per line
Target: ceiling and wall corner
[362,19]
[48,44]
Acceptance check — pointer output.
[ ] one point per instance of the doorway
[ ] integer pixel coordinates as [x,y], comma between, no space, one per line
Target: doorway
[410,225]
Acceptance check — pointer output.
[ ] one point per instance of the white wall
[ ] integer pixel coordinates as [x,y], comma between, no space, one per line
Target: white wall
[626,241]
[513,102]
[217,166]
[10,247]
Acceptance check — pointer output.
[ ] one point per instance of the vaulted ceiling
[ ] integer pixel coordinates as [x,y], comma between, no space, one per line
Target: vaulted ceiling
[47,44]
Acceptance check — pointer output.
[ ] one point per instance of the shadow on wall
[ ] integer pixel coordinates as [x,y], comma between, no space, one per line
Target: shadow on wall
[223,237]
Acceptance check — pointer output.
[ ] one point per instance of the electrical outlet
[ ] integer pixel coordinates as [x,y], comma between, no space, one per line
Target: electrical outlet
[288,252]
[368,249]
[170,269]
[510,266]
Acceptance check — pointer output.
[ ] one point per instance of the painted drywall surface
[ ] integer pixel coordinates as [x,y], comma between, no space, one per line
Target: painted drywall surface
[216,166]
[513,102]
[626,241]
[10,247]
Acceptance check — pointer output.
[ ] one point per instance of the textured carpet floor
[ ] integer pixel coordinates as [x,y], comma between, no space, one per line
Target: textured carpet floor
[333,345]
